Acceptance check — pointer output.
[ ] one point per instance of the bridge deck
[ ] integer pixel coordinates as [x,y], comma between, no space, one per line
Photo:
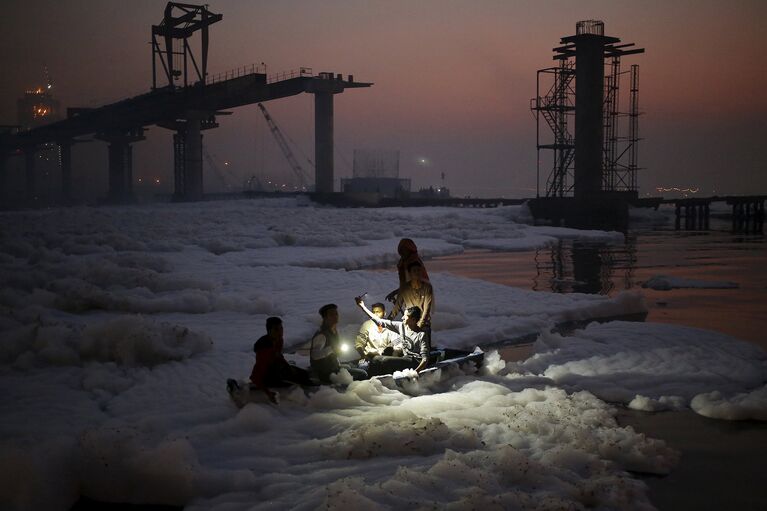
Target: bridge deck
[166,105]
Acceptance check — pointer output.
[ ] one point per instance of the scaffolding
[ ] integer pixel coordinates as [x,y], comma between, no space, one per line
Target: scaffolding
[554,109]
[557,108]
[621,138]
[170,43]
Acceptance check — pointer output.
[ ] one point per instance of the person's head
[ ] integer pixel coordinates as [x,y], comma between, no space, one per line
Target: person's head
[411,316]
[414,270]
[406,247]
[329,314]
[274,326]
[378,309]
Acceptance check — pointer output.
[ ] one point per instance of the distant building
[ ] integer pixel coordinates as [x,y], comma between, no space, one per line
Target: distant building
[376,172]
[443,192]
[38,107]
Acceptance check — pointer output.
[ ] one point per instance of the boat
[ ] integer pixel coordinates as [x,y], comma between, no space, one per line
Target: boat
[243,392]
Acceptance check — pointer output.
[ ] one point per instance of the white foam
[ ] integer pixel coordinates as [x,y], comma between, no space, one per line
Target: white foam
[739,406]
[100,402]
[655,367]
[125,340]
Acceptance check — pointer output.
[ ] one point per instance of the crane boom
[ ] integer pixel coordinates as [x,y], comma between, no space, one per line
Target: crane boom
[298,170]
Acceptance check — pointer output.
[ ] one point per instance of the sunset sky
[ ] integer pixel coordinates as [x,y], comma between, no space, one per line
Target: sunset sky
[453,82]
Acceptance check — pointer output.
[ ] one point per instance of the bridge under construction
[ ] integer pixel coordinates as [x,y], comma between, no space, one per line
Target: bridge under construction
[183,98]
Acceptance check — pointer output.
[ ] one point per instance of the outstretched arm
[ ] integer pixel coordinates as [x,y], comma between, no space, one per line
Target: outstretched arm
[361,304]
[391,325]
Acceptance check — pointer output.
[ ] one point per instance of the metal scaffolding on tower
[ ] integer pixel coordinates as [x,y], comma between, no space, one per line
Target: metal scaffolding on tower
[592,137]
[557,108]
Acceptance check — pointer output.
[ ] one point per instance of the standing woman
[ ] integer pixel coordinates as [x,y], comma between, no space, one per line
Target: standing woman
[408,254]
[414,286]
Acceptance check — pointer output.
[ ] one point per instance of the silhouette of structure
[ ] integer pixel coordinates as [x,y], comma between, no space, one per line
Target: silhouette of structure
[578,100]
[185,99]
[375,174]
[38,106]
[296,167]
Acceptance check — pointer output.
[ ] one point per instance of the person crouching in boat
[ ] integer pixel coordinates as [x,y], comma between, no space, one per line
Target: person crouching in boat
[374,340]
[271,369]
[414,343]
[326,346]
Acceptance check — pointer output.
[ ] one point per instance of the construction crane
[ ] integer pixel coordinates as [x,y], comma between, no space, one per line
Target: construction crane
[217,170]
[298,170]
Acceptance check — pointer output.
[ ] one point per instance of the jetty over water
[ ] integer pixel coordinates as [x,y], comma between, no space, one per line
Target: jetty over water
[747,210]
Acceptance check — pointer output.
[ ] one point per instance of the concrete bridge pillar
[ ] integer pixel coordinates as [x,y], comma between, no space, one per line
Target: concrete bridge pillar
[29,173]
[121,163]
[120,171]
[187,161]
[324,87]
[187,153]
[3,176]
[323,141]
[66,170]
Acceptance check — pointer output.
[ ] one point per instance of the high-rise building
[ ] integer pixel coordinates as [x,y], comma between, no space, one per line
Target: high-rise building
[38,106]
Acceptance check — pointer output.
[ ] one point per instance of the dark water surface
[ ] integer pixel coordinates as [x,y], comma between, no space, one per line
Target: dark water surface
[721,461]
[583,267]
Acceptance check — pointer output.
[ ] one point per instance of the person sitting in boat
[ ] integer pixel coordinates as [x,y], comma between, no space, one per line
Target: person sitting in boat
[271,369]
[326,346]
[375,340]
[417,292]
[414,342]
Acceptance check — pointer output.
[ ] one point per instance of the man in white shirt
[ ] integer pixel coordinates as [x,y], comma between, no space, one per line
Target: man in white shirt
[415,342]
[375,340]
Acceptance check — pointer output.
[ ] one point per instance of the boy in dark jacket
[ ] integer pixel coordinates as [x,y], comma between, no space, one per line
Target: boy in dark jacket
[271,369]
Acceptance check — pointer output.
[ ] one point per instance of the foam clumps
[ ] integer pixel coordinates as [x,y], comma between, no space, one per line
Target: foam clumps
[121,325]
[126,341]
[657,367]
[738,406]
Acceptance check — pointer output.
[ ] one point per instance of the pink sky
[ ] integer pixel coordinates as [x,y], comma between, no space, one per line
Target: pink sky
[453,80]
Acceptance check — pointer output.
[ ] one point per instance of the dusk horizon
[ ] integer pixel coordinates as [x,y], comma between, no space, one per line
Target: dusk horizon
[452,85]
[383,255]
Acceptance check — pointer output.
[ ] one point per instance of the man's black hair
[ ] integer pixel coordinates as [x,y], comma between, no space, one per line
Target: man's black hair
[414,312]
[327,307]
[378,304]
[272,322]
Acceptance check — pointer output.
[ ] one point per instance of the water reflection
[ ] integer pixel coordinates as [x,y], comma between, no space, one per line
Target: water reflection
[581,267]
[572,266]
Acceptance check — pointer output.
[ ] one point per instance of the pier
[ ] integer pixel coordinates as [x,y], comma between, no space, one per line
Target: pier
[184,99]
[695,212]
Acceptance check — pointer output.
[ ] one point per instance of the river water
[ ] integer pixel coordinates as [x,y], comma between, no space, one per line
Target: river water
[573,266]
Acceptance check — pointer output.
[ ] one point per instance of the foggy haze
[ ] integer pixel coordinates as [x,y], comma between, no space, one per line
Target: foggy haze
[452,85]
